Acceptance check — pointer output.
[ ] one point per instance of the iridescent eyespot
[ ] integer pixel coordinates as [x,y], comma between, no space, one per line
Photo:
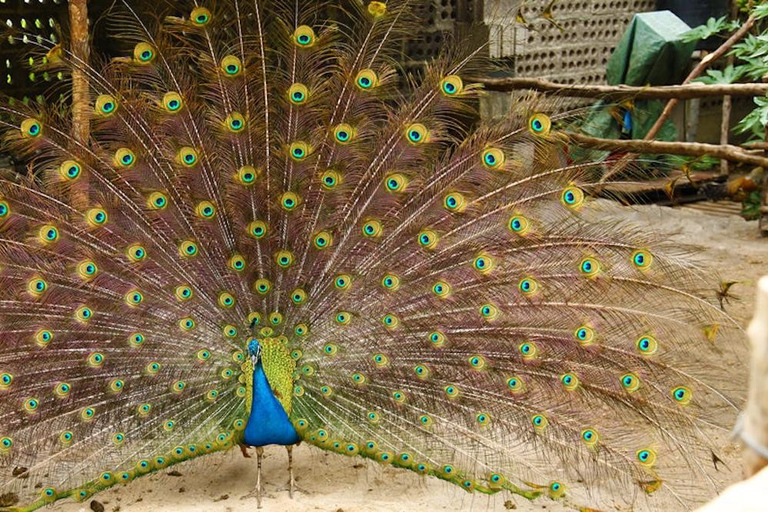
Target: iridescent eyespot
[298,296]
[5,210]
[106,105]
[437,339]
[96,359]
[262,286]
[116,386]
[169,425]
[425,421]
[298,94]
[143,53]
[539,422]
[390,321]
[682,395]
[298,150]
[62,390]
[5,380]
[96,217]
[188,249]
[540,124]
[390,282]
[630,382]
[585,335]
[556,490]
[48,234]
[483,264]
[289,201]
[183,292]
[301,329]
[495,480]
[200,16]
[6,443]
[358,378]
[136,339]
[246,175]
[205,210]
[489,312]
[427,239]
[31,128]
[399,397]
[528,350]
[572,197]
[257,229]
[344,133]
[229,331]
[231,66]
[380,360]
[366,79]
[483,418]
[322,240]
[396,182]
[186,324]
[236,263]
[646,457]
[519,225]
[342,282]
[37,286]
[372,229]
[343,318]
[284,258]
[134,298]
[451,391]
[226,300]
[421,371]
[647,345]
[304,36]
[515,384]
[442,289]
[455,202]
[590,437]
[187,157]
[528,286]
[172,102]
[477,362]
[83,314]
[136,253]
[227,373]
[642,259]
[48,494]
[124,158]
[275,318]
[417,133]
[203,354]
[66,437]
[144,409]
[179,386]
[589,267]
[43,337]
[569,381]
[70,170]
[451,85]
[235,122]
[493,158]
[330,179]
[87,414]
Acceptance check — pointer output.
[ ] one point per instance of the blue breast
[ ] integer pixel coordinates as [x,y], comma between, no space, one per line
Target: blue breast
[268,422]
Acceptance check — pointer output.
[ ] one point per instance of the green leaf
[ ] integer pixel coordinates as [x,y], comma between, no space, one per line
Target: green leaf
[711,28]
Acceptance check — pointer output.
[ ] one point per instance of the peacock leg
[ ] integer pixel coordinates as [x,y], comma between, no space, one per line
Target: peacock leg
[259,455]
[291,479]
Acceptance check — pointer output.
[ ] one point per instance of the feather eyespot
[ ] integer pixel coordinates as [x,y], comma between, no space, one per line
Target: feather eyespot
[134,298]
[630,382]
[299,150]
[647,345]
[235,122]
[106,105]
[124,158]
[390,282]
[6,379]
[289,201]
[83,314]
[6,443]
[43,337]
[483,264]
[183,292]
[539,422]
[590,437]
[642,259]
[262,286]
[372,228]
[489,312]
[48,494]
[422,371]
[246,175]
[284,259]
[37,286]
[298,94]
[437,339]
[298,296]
[187,324]
[157,201]
[451,85]
[229,331]
[136,253]
[455,202]
[257,229]
[187,157]
[344,133]
[646,457]
[143,53]
[528,286]
[342,282]
[343,318]
[231,66]
[377,9]
[304,36]
[427,239]
[556,490]
[493,158]
[682,395]
[483,419]
[390,321]
[569,381]
[528,350]
[322,240]
[205,210]
[172,102]
[585,335]
[515,384]
[188,249]
[226,300]
[396,182]
[236,263]
[540,124]
[417,134]
[136,340]
[442,289]
[452,391]
[96,217]
[5,210]
[62,390]
[366,79]
[70,170]
[48,234]
[275,318]
[330,179]
[200,16]
[572,197]
[31,128]
[301,329]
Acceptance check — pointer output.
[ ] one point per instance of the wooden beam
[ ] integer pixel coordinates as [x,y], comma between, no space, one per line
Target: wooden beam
[621,92]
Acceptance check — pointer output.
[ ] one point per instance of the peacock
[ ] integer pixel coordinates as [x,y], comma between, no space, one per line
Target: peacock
[267,240]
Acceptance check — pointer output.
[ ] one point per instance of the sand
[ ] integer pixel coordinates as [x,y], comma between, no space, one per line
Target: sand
[224,482]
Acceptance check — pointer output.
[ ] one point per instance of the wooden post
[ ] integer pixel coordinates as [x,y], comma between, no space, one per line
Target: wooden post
[756,414]
[725,125]
[78,21]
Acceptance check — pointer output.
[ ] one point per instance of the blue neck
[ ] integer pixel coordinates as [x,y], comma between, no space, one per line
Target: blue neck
[268,422]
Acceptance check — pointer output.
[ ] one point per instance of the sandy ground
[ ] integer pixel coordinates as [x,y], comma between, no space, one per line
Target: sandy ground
[223,482]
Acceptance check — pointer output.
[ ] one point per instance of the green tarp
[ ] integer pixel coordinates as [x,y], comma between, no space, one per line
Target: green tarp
[650,53]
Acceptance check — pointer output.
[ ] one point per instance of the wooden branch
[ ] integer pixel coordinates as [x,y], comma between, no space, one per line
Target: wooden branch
[697,72]
[619,92]
[78,21]
[756,413]
[732,153]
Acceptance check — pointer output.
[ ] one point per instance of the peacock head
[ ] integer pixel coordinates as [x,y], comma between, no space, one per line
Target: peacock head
[254,350]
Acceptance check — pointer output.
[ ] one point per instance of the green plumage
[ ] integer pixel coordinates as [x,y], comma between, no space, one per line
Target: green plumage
[444,299]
